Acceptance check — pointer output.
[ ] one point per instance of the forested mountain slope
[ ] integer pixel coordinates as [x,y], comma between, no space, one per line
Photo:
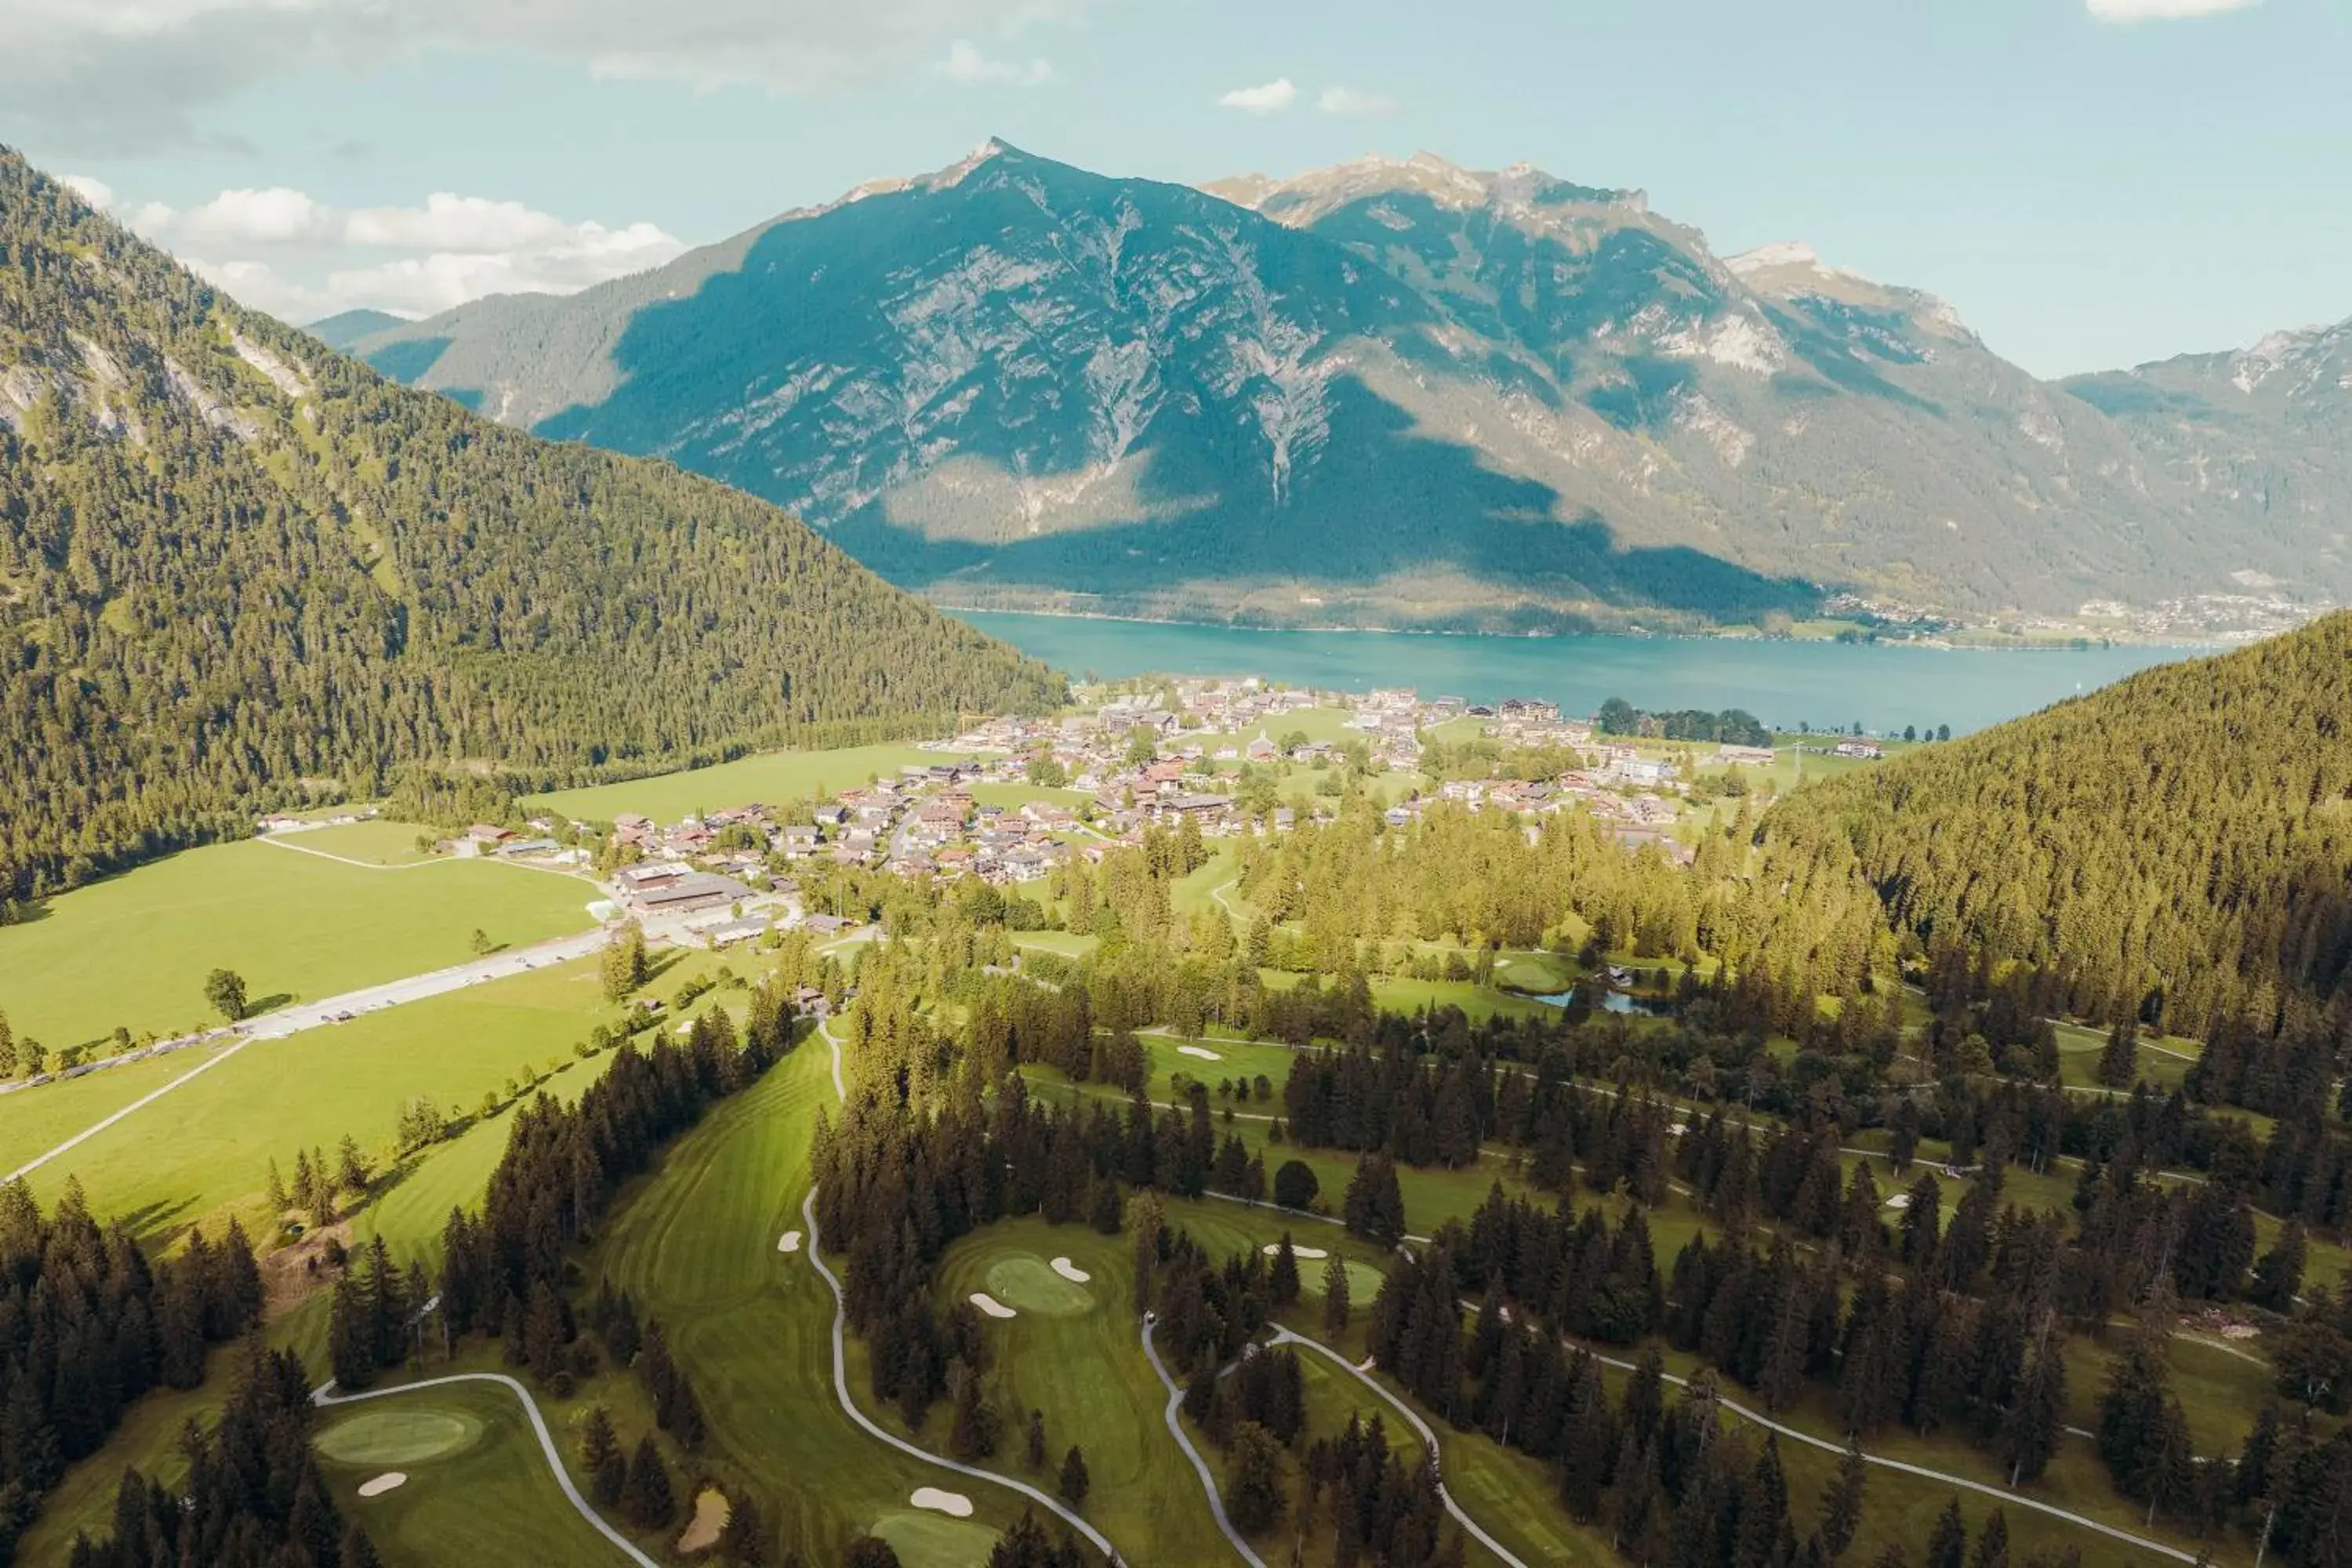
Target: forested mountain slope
[2178,845]
[236,567]
[1393,391]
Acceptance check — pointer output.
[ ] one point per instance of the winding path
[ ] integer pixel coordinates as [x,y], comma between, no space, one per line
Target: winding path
[1942,1478]
[841,1369]
[1282,1336]
[1200,1465]
[849,1407]
[324,1397]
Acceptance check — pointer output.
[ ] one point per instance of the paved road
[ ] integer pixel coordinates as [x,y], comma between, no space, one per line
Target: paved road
[303,1016]
[2002,1495]
[1284,1337]
[1200,1465]
[323,1396]
[849,1407]
[841,1364]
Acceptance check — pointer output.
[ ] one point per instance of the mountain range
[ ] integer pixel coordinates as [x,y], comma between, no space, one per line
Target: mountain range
[1397,392]
[238,569]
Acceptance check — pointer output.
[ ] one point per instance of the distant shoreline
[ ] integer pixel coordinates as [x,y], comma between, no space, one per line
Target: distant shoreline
[1931,645]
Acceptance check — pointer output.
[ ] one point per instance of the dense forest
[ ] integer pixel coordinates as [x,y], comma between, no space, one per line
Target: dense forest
[88,1324]
[239,570]
[254,1497]
[2177,848]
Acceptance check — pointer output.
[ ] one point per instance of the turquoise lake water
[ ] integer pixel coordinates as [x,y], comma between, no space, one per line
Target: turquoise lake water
[1882,687]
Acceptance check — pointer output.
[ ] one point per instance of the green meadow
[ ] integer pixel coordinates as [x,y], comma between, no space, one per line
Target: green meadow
[134,949]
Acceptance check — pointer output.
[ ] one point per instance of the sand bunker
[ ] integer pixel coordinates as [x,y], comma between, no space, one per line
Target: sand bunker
[1069,1270]
[1203,1052]
[381,1484]
[709,1521]
[789,1242]
[954,1504]
[1295,1250]
[1899,1201]
[994,1309]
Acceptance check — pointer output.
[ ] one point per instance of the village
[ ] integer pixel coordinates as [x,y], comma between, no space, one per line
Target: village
[1010,799]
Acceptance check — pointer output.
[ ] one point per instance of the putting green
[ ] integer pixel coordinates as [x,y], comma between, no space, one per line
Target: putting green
[931,1540]
[1364,1281]
[395,1438]
[1027,1283]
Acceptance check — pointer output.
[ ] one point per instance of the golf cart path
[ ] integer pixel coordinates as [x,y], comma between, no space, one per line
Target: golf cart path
[1200,1465]
[325,1397]
[815,1253]
[1285,1337]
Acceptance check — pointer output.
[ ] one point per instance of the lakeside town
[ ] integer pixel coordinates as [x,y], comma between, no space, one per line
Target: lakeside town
[1010,799]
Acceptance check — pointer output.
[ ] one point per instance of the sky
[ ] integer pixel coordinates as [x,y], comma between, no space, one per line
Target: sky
[2090,183]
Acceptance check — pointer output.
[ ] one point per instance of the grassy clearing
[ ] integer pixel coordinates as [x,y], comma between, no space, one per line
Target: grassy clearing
[485,1497]
[770,778]
[134,949]
[203,1152]
[377,842]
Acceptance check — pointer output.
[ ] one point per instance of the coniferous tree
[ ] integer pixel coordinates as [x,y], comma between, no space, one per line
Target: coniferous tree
[601,1457]
[1283,1280]
[1842,1503]
[1947,1539]
[1072,1483]
[1337,1308]
[1255,1494]
[646,1495]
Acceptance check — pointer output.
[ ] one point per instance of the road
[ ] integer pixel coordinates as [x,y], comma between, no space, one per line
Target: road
[293,1020]
[815,1253]
[849,1407]
[324,1397]
[1282,1336]
[1174,1417]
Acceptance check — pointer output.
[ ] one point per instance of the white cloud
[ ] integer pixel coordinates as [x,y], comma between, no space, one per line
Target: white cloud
[1271,98]
[122,77]
[2163,10]
[966,63]
[285,252]
[275,217]
[1354,103]
[90,188]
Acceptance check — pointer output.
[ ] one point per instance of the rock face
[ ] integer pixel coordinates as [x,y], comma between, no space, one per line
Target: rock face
[1394,391]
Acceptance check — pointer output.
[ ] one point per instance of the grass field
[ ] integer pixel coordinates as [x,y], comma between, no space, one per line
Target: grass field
[202,1150]
[477,1491]
[769,778]
[134,949]
[375,842]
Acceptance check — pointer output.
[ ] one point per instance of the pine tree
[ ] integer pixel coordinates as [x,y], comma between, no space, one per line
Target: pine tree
[2279,1276]
[350,1338]
[599,1456]
[1254,1491]
[2120,1060]
[745,1541]
[1947,1541]
[1336,1306]
[1072,1483]
[645,1495]
[1036,1440]
[2030,1428]
[1992,1542]
[1842,1502]
[1283,1283]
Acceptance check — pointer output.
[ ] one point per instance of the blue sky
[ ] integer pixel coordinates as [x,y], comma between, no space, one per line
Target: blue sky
[2090,183]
